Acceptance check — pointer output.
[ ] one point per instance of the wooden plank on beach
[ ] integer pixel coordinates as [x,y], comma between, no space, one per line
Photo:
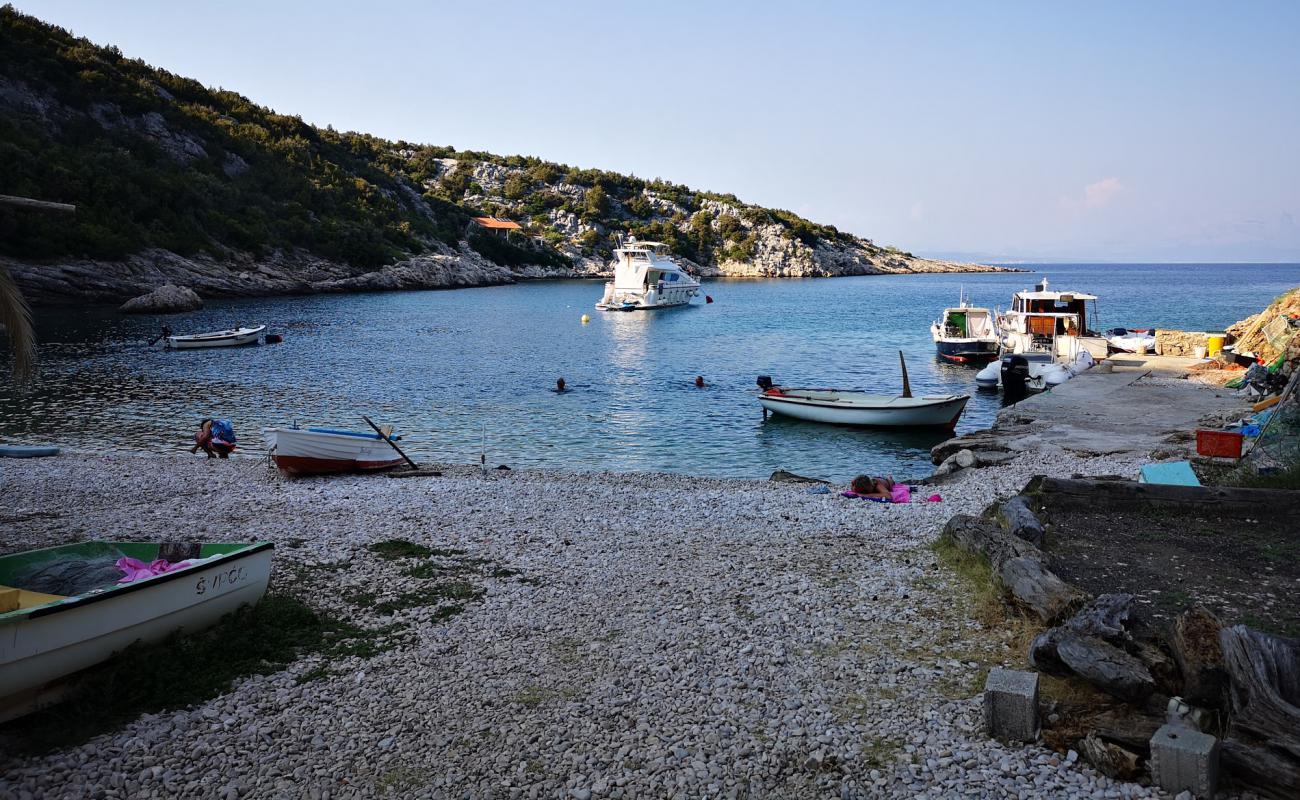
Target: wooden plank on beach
[1092,494]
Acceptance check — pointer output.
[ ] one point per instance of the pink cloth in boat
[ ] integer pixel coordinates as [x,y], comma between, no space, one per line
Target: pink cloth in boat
[135,569]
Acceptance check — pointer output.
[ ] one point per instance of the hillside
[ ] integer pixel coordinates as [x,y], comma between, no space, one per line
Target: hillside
[174,181]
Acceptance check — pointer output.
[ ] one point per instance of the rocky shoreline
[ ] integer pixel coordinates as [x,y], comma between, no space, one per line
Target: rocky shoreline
[752,639]
[70,281]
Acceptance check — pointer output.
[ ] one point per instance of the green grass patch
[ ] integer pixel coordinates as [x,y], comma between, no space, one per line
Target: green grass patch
[185,670]
[431,596]
[399,548]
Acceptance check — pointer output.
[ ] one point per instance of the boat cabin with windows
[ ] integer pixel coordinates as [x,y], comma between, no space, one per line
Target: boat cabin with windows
[645,277]
[1042,320]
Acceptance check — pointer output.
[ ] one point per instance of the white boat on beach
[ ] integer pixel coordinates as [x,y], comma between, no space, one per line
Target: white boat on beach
[319,451]
[230,338]
[645,278]
[46,637]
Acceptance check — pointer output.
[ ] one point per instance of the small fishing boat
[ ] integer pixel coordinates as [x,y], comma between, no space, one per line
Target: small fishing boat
[45,637]
[840,407]
[230,338]
[322,451]
[645,278]
[966,334]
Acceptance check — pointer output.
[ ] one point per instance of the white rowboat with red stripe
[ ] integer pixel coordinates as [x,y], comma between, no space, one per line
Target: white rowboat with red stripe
[318,451]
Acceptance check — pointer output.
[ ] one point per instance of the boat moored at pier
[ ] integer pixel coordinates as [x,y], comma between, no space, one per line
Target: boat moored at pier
[966,334]
[1056,323]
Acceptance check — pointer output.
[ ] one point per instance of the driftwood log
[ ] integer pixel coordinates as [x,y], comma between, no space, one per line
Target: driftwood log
[1017,565]
[1110,759]
[1106,666]
[1088,495]
[1016,517]
[1094,645]
[1262,750]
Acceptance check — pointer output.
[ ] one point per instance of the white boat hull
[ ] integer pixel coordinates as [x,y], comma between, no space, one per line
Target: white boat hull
[303,451]
[231,338]
[58,640]
[677,295]
[876,411]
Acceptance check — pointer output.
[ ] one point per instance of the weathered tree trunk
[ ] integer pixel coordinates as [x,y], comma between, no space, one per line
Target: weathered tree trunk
[1018,566]
[1264,672]
[1262,750]
[1194,640]
[1020,522]
[1261,770]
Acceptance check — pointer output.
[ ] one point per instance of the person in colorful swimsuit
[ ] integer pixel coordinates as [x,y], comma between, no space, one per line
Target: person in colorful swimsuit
[213,439]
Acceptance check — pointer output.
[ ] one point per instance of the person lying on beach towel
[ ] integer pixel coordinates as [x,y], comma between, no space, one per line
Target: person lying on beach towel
[883,490]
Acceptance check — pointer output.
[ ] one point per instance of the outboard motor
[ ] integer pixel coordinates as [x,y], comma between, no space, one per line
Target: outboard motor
[765,382]
[1015,374]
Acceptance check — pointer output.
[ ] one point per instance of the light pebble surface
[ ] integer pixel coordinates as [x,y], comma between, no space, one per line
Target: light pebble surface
[685,638]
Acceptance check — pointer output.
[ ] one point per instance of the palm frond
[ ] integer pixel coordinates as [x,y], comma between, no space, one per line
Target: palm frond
[16,318]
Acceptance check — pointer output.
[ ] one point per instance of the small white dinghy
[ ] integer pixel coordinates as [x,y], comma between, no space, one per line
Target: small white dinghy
[230,338]
[321,451]
[839,407]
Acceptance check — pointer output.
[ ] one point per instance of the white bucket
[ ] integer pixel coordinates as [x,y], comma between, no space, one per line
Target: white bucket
[1198,351]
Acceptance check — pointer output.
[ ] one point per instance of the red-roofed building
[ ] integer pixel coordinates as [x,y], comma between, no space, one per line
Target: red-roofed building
[503,227]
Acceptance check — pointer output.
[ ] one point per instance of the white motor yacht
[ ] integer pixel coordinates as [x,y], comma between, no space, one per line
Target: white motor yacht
[645,278]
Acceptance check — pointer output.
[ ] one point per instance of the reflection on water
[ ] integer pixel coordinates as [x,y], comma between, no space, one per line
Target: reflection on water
[465,370]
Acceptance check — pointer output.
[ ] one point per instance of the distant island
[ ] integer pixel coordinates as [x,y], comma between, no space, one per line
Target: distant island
[178,183]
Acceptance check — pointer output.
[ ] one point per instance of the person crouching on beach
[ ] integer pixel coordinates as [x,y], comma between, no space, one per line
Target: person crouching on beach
[217,440]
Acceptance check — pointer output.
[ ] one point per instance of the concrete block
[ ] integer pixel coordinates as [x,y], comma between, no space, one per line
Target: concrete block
[1011,704]
[1183,759]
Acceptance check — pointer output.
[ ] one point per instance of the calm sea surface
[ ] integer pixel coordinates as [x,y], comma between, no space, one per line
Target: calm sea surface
[472,369]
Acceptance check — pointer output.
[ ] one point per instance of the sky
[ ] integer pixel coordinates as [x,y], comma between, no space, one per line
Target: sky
[1100,131]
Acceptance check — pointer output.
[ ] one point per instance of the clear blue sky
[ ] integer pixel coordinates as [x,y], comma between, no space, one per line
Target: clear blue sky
[1107,131]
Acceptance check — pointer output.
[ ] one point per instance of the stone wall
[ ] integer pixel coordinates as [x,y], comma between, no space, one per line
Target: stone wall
[1179,343]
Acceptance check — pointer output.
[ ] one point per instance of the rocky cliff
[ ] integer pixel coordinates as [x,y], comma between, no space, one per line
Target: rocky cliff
[178,183]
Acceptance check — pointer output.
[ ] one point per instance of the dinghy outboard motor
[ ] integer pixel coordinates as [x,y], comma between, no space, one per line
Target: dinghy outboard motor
[1015,373]
[765,382]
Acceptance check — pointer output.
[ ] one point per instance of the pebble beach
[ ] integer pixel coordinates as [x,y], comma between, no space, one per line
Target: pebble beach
[638,635]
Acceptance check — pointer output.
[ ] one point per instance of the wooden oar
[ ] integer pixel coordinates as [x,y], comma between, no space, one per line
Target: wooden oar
[391,443]
[907,387]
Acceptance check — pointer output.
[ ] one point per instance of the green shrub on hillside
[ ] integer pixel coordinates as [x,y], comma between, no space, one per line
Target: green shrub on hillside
[153,159]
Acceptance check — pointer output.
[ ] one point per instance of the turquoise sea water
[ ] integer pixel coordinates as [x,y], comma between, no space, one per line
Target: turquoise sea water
[464,371]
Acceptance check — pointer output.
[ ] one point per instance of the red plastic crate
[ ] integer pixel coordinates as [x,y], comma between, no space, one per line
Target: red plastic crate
[1218,444]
